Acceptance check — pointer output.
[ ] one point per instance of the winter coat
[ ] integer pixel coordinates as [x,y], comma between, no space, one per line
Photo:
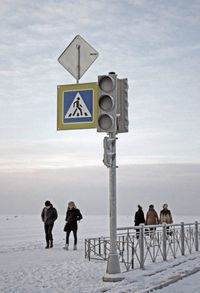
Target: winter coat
[166,217]
[139,217]
[49,215]
[72,216]
[152,217]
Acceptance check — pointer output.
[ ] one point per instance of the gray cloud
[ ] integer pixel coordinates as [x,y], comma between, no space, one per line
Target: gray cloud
[26,191]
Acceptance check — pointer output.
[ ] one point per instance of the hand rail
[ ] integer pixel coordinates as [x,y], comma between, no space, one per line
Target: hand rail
[140,245]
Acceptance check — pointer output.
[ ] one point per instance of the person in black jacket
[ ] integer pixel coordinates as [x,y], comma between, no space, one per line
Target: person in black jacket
[73,215]
[139,219]
[49,216]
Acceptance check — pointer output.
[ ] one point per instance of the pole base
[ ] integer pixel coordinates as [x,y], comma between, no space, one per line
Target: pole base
[113,277]
[113,272]
[113,265]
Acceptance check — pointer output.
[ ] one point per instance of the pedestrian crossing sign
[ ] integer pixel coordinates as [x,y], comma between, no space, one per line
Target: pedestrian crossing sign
[77,105]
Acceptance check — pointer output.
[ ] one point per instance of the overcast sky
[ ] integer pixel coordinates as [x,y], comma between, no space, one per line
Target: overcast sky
[155,44]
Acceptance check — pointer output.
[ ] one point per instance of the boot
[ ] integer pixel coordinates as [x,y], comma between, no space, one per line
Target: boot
[47,242]
[66,247]
[47,246]
[75,247]
[51,243]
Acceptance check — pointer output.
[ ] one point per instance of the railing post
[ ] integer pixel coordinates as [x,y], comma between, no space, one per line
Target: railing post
[164,246]
[141,242]
[95,246]
[132,255]
[182,239]
[196,235]
[127,246]
[99,246]
[89,249]
[105,249]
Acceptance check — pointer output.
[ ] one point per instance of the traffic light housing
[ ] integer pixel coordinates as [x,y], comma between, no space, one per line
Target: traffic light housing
[107,103]
[122,105]
[109,151]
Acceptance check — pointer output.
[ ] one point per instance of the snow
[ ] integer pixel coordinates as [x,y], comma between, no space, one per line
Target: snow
[26,266]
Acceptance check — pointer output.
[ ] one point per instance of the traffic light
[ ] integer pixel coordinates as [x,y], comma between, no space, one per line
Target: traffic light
[109,151]
[107,103]
[122,105]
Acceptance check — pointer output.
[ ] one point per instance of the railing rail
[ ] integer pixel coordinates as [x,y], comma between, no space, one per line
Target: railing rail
[142,245]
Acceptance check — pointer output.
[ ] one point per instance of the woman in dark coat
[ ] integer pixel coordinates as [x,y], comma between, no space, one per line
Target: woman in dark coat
[73,215]
[139,219]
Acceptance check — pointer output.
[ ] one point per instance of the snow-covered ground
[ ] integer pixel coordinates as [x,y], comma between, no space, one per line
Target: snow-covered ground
[26,266]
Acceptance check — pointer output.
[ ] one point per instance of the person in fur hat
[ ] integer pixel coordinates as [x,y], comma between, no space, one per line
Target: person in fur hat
[166,216]
[49,216]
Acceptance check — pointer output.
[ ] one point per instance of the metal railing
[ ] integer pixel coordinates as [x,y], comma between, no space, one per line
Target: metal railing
[142,245]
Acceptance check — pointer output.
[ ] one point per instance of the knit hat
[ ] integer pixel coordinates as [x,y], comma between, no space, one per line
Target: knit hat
[47,203]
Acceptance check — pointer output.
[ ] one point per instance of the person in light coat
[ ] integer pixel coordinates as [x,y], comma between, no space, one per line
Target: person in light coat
[152,216]
[166,216]
[152,219]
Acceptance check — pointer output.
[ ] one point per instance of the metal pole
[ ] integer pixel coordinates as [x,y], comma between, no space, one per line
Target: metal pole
[78,62]
[196,236]
[141,245]
[113,266]
[164,232]
[182,239]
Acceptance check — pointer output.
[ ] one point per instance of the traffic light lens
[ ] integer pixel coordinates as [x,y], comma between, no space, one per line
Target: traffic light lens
[105,122]
[106,83]
[106,103]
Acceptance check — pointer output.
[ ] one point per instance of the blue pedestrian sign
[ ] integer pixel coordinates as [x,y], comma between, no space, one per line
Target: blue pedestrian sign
[77,106]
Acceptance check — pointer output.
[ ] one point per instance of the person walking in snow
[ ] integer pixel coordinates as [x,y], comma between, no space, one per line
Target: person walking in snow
[73,215]
[166,217]
[152,219]
[49,216]
[139,219]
